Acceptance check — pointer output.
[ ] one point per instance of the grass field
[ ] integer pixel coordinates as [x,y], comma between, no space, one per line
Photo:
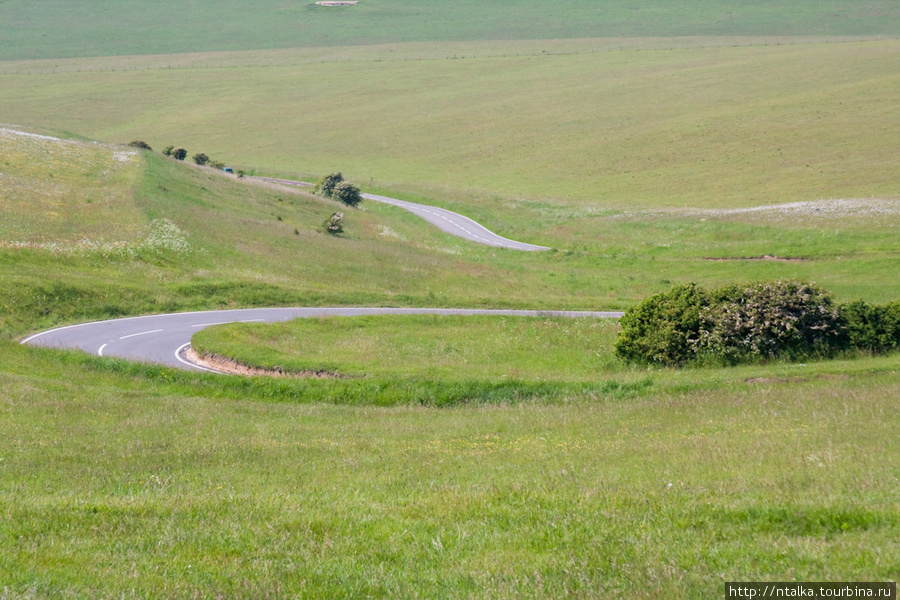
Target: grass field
[649,144]
[94,28]
[139,483]
[696,127]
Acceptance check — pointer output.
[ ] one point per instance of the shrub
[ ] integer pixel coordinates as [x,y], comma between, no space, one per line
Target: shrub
[140,144]
[347,193]
[334,225]
[179,154]
[664,328]
[326,185]
[168,150]
[200,159]
[781,319]
[874,329]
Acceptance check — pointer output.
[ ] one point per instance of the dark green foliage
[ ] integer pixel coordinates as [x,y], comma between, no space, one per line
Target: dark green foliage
[168,150]
[326,185]
[334,186]
[869,328]
[140,144]
[179,153]
[783,319]
[347,193]
[664,328]
[201,159]
[780,319]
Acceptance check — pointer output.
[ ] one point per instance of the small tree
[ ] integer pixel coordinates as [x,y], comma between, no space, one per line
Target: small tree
[335,224]
[326,185]
[347,193]
[179,153]
[201,159]
[140,144]
[168,150]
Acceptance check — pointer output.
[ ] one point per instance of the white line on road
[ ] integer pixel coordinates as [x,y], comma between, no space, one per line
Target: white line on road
[125,337]
[100,351]
[192,365]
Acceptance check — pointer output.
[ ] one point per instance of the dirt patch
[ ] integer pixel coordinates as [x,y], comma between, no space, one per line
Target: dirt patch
[226,365]
[763,257]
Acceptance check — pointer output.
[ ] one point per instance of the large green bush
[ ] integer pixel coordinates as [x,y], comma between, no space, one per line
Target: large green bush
[780,319]
[783,319]
[874,329]
[663,329]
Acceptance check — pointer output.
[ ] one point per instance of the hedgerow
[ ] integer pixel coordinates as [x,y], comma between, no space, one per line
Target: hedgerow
[780,320]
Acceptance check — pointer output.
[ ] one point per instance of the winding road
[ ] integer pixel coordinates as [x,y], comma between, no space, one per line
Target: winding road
[449,221]
[164,339]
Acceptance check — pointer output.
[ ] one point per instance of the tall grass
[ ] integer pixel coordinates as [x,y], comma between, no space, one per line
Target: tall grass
[138,483]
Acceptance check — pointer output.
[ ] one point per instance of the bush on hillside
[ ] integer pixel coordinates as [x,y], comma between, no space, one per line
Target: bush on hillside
[140,144]
[326,185]
[179,154]
[869,328]
[780,319]
[334,224]
[347,193]
[664,328]
[168,150]
[200,159]
[334,186]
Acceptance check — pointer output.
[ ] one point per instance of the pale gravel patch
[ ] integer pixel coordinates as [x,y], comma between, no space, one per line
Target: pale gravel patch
[842,208]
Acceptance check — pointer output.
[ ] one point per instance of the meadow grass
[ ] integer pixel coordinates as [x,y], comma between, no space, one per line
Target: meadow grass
[94,28]
[573,475]
[139,482]
[445,360]
[685,127]
[240,244]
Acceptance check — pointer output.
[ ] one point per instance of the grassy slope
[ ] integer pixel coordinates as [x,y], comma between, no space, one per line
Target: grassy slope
[120,480]
[95,28]
[143,483]
[732,126]
[253,245]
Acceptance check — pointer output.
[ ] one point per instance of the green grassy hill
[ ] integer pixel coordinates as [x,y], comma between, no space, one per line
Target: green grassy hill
[650,144]
[698,127]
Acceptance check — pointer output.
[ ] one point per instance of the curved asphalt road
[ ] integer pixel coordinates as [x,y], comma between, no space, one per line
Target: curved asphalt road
[163,339]
[451,222]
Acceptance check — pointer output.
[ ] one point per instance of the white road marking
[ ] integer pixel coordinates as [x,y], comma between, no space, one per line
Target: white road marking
[192,365]
[100,351]
[125,337]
